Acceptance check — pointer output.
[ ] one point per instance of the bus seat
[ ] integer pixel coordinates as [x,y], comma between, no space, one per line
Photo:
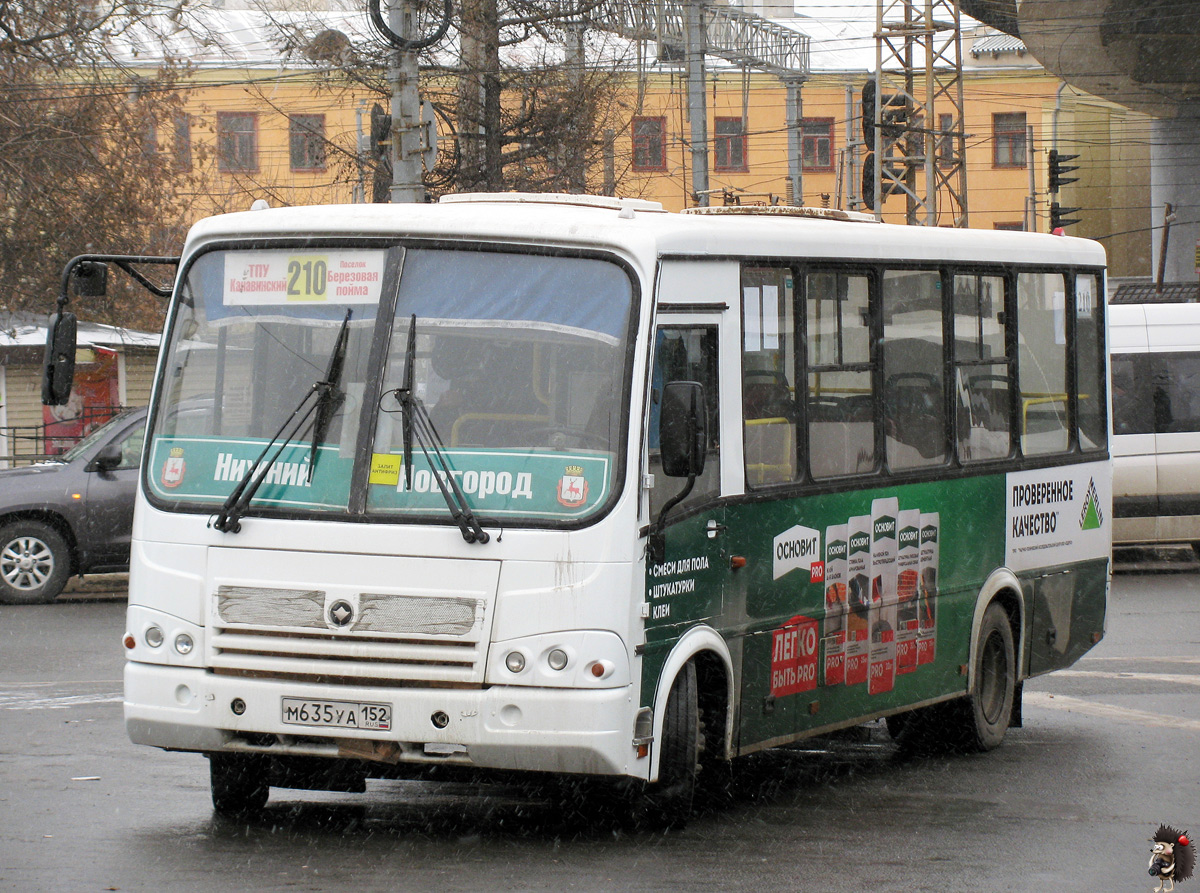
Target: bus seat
[770,451]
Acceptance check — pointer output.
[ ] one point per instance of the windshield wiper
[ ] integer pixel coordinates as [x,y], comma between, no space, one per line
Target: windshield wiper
[331,395]
[328,396]
[417,422]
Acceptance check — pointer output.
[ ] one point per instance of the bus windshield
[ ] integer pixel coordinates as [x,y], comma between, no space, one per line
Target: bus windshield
[521,362]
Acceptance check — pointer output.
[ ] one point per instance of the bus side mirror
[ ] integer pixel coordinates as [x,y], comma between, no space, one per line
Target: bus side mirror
[683,433]
[58,368]
[91,279]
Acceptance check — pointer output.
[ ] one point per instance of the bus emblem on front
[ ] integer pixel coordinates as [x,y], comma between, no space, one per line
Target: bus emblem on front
[341,613]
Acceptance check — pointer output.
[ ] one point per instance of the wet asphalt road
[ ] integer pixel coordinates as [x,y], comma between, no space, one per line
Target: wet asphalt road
[1109,749]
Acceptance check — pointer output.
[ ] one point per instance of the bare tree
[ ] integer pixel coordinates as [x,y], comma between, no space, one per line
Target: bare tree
[534,96]
[81,169]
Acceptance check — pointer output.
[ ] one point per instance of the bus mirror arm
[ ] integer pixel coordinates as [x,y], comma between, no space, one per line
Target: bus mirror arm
[683,437]
[656,543]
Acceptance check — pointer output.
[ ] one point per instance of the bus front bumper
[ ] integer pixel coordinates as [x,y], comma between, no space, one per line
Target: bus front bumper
[501,727]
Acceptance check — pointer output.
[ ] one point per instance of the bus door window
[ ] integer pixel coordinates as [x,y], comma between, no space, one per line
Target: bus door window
[1089,363]
[1042,362]
[914,405]
[983,413]
[769,365]
[841,393]
[685,353]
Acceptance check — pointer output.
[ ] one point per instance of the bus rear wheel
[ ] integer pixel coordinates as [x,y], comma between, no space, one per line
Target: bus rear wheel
[240,783]
[985,714]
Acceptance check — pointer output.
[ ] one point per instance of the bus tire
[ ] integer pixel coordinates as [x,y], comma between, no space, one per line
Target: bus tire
[240,783]
[670,799]
[984,715]
[35,563]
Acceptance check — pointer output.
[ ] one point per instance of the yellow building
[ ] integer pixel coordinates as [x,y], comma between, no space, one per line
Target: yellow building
[289,133]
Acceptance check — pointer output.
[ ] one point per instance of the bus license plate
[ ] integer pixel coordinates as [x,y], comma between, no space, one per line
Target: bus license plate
[337,714]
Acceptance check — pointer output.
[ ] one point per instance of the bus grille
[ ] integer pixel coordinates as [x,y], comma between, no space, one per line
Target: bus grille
[396,639]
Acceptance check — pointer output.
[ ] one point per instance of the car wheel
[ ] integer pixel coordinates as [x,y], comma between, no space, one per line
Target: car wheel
[34,563]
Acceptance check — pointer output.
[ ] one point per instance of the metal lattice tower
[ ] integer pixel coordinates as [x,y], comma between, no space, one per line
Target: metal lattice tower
[918,84]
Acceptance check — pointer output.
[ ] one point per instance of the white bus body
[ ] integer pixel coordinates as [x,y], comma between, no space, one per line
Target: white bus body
[344,626]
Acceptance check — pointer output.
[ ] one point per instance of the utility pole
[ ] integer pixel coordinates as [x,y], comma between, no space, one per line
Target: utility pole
[407,182]
[697,102]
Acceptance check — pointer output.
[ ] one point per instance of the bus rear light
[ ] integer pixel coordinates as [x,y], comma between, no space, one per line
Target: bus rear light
[602,669]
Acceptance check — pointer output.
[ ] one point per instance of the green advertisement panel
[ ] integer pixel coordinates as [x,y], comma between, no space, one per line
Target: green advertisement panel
[838,606]
[496,482]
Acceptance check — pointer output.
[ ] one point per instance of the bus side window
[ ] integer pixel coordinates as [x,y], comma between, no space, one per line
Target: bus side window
[1042,362]
[685,353]
[769,409]
[841,396]
[982,377]
[914,406]
[1089,364]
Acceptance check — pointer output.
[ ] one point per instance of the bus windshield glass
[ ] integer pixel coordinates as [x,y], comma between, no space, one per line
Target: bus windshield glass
[520,360]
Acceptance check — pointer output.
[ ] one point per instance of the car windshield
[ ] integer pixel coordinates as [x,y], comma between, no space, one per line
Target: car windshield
[521,360]
[95,436]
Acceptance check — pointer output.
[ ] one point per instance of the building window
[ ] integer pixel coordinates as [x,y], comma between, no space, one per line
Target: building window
[150,139]
[1008,136]
[237,142]
[945,141]
[182,146]
[816,144]
[306,142]
[1009,227]
[729,144]
[649,144]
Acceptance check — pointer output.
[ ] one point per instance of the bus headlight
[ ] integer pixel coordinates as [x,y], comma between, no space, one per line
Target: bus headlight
[184,643]
[515,661]
[557,659]
[153,636]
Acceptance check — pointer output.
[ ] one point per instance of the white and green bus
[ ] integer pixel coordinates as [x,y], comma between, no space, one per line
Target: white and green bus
[572,485]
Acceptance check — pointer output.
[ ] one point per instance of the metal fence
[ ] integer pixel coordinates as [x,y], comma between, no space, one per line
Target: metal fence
[27,444]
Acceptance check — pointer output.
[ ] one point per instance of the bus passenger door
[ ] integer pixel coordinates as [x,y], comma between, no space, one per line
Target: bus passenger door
[684,586]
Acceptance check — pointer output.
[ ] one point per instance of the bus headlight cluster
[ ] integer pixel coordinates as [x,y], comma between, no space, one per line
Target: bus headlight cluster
[564,659]
[156,635]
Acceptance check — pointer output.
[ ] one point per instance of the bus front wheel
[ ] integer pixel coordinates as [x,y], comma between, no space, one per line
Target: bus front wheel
[679,763]
[240,783]
[984,715]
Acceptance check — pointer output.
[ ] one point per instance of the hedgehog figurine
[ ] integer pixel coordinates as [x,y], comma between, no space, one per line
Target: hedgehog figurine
[1172,858]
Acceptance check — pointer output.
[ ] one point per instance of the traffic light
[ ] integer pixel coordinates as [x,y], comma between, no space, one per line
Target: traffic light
[1058,218]
[1058,167]
[381,152]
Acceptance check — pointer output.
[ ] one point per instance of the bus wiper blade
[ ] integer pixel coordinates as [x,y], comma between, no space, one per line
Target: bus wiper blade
[418,424]
[330,394]
[460,509]
[237,501]
[406,395]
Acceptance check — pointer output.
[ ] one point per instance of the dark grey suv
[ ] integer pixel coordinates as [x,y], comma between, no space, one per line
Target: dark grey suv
[72,515]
